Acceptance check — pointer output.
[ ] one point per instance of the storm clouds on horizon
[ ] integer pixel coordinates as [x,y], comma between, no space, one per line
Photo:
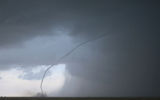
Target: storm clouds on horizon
[36,33]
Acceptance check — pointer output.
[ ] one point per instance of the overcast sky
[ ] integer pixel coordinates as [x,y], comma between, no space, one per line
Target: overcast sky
[34,34]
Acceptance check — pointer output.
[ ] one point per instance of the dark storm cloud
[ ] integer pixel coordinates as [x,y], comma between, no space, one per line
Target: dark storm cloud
[21,20]
[127,59]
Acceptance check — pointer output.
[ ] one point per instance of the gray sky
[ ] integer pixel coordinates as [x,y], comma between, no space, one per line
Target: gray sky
[36,33]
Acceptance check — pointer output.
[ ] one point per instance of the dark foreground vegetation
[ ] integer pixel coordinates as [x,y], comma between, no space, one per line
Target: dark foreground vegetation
[72,98]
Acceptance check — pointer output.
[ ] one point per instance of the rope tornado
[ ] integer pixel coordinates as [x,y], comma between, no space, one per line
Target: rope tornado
[67,54]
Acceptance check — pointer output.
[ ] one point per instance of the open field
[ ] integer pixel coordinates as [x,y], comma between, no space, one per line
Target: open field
[72,98]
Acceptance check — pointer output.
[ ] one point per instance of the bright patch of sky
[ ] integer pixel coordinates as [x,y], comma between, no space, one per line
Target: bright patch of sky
[14,83]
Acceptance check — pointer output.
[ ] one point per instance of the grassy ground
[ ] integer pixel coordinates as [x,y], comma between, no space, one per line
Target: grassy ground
[68,98]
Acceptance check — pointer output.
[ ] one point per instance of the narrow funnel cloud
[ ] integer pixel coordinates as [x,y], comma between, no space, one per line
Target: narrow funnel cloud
[67,54]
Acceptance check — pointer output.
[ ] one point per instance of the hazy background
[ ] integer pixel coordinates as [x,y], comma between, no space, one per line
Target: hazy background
[36,33]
